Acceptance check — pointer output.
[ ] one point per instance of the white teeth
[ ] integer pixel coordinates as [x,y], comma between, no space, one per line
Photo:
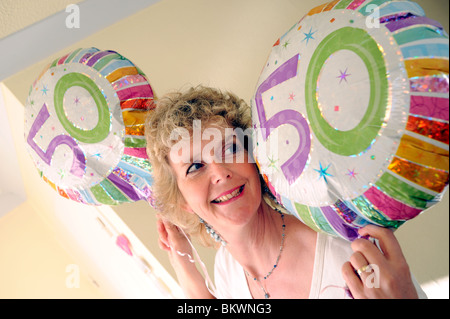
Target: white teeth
[229,196]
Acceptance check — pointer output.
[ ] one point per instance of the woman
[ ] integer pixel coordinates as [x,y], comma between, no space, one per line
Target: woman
[207,182]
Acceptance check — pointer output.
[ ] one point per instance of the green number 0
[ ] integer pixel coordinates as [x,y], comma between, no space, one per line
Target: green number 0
[101,130]
[360,138]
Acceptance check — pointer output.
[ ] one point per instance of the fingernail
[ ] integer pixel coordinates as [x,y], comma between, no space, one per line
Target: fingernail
[364,237]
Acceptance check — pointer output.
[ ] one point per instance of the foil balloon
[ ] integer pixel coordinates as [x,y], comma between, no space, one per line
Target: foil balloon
[84,127]
[350,115]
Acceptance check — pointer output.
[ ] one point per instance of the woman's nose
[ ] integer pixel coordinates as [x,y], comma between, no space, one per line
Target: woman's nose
[219,172]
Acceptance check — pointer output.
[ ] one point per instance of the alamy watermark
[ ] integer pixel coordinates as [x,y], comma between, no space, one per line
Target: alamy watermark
[218,143]
[373,278]
[373,19]
[73,17]
[73,277]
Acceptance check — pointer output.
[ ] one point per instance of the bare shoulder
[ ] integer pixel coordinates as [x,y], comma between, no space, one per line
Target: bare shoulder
[300,235]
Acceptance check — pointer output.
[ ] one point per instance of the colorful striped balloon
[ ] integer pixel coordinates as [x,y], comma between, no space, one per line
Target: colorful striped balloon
[351,115]
[84,124]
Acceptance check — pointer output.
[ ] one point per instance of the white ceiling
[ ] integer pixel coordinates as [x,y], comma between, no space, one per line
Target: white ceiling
[16,15]
[34,30]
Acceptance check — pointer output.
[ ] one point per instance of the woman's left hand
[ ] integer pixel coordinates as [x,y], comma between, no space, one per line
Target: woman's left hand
[375,274]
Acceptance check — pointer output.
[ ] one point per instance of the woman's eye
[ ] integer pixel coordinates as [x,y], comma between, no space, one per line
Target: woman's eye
[194,167]
[231,149]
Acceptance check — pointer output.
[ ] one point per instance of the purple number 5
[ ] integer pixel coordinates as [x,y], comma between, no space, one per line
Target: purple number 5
[79,160]
[294,166]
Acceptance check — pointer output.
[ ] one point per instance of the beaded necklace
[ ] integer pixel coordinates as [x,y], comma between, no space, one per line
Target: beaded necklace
[283,236]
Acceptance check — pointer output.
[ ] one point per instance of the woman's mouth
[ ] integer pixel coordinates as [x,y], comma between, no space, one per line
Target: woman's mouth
[230,196]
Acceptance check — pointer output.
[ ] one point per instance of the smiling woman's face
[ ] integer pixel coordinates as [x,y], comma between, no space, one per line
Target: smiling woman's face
[218,180]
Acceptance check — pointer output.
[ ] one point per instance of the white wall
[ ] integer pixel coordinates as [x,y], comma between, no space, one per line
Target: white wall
[51,247]
[33,263]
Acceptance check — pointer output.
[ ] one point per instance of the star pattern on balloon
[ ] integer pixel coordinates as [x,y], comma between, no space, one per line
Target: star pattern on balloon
[62,173]
[309,36]
[44,90]
[323,172]
[351,173]
[272,162]
[98,156]
[343,75]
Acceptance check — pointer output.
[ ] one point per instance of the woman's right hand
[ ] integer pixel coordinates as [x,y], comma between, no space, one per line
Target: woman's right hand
[171,239]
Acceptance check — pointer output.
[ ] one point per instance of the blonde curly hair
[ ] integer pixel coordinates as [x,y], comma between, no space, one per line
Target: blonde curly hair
[179,110]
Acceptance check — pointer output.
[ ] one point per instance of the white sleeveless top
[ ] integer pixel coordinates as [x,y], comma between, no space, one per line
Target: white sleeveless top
[327,281]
